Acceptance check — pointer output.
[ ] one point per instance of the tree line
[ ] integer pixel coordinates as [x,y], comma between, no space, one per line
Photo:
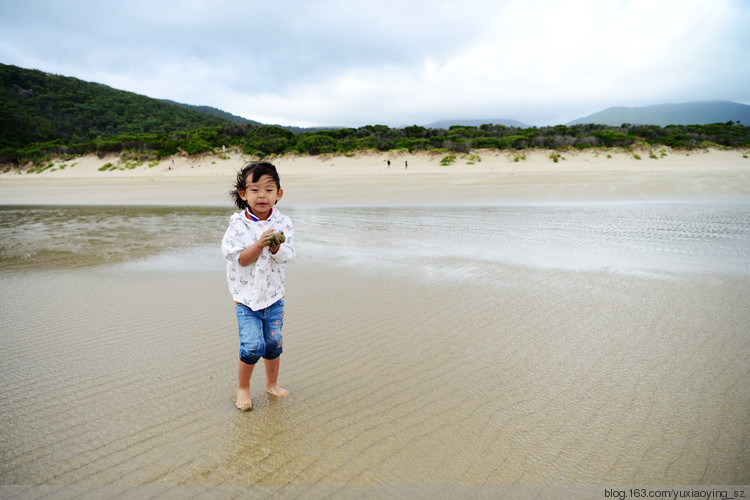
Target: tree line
[266,140]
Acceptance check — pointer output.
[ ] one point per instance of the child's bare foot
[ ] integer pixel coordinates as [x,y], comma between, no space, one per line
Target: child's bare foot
[244,402]
[277,391]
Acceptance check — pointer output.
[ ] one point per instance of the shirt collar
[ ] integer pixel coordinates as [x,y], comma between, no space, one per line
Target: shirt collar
[253,218]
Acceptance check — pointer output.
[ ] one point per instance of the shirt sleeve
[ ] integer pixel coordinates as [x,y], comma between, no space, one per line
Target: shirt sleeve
[233,242]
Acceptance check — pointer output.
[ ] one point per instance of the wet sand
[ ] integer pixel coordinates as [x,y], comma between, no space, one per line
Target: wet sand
[121,378]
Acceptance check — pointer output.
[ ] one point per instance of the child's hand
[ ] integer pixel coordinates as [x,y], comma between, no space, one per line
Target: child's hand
[263,240]
[267,239]
[272,239]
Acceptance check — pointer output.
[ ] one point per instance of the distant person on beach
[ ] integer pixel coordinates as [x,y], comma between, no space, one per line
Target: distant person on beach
[406,165]
[255,274]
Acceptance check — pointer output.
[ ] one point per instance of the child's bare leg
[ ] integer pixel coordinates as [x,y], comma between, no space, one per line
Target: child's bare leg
[272,375]
[244,371]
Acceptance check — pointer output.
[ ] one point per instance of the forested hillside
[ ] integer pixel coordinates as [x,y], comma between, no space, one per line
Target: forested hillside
[40,107]
[208,110]
[43,115]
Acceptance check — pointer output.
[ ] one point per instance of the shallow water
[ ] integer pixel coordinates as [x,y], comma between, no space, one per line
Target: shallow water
[71,237]
[631,238]
[512,345]
[621,238]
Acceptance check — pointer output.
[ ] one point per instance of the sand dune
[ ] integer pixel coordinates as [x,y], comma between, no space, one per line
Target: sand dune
[366,178]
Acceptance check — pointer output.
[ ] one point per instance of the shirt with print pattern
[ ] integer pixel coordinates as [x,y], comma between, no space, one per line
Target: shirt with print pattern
[261,283]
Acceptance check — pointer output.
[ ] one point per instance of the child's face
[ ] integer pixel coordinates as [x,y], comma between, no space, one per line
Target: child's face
[261,196]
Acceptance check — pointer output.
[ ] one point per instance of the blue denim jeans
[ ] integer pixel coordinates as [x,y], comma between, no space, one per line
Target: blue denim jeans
[260,332]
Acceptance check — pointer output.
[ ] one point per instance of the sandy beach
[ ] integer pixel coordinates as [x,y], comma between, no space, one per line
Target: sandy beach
[485,176]
[427,370]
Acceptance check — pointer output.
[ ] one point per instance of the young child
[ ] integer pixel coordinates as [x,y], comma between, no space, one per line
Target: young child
[255,274]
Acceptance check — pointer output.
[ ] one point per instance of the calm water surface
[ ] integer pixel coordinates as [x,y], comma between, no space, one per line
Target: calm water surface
[630,238]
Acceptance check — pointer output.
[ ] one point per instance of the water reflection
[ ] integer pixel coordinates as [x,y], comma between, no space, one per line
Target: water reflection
[71,237]
[623,238]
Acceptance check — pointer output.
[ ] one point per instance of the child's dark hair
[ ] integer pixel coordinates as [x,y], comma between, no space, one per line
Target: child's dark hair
[258,169]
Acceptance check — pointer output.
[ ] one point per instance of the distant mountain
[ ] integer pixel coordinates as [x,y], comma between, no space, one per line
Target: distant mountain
[690,113]
[446,124]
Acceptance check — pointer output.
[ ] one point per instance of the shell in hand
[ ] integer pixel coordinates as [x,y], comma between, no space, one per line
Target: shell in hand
[275,239]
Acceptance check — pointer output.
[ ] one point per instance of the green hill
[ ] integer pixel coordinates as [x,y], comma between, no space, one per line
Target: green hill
[208,110]
[689,113]
[40,107]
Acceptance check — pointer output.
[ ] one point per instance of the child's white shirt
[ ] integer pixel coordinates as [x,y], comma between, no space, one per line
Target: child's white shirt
[261,283]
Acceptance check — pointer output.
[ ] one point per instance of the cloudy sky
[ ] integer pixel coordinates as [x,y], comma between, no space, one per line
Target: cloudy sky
[401,62]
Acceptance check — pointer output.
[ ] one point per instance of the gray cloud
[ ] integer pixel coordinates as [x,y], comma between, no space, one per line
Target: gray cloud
[393,62]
